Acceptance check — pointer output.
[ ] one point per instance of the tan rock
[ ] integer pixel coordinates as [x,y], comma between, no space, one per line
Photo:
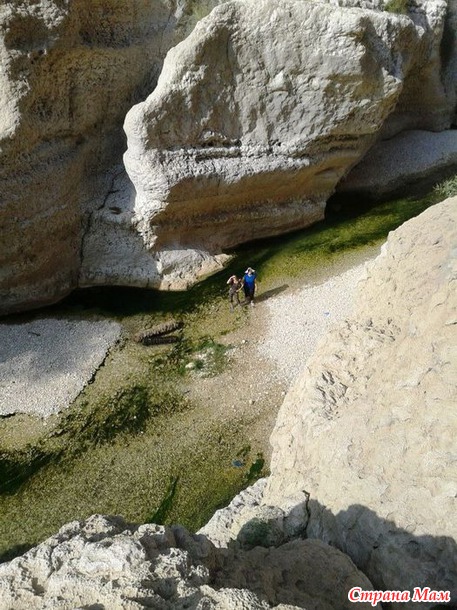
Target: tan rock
[69,73]
[257,115]
[368,430]
[107,562]
[304,573]
[249,522]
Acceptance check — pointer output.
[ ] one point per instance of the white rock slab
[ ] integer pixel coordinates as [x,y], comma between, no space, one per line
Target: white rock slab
[46,363]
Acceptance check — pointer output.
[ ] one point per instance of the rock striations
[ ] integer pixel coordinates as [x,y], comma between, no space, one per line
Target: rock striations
[368,430]
[256,117]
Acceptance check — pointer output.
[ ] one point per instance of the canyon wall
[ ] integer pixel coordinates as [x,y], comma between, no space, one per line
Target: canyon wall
[263,108]
[257,115]
[69,72]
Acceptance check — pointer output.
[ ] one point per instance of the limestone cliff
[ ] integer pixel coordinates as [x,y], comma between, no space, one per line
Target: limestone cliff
[258,114]
[368,430]
[256,117]
[69,72]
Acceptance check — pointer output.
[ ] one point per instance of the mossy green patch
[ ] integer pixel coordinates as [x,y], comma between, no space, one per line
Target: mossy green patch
[179,470]
[399,7]
[204,355]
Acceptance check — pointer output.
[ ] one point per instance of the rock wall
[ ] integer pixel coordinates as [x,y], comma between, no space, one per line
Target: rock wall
[368,430]
[257,115]
[404,165]
[69,72]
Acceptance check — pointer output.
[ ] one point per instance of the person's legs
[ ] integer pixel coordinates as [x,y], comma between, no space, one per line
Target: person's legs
[251,296]
[231,295]
[249,292]
[246,294]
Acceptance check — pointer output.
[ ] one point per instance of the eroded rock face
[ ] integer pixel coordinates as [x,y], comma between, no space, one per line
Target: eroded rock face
[428,98]
[369,428]
[403,164]
[112,564]
[69,72]
[257,115]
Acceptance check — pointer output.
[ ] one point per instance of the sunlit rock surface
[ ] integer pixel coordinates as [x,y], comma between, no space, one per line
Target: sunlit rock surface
[368,430]
[258,114]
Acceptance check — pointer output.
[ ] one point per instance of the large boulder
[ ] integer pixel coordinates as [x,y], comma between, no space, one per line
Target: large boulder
[105,562]
[368,430]
[257,115]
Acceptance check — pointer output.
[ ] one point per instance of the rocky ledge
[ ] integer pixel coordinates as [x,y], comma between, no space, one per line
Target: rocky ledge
[106,563]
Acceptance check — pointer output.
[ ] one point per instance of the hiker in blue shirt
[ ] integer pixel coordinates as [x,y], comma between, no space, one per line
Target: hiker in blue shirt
[249,285]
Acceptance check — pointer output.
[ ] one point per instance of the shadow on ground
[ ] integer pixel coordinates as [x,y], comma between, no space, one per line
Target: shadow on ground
[268,294]
[391,557]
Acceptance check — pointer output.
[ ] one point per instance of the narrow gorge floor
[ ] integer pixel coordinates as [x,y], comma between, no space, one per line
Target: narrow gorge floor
[171,433]
[273,343]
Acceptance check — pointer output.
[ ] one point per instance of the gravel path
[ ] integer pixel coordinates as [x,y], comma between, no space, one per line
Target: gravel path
[297,321]
[46,363]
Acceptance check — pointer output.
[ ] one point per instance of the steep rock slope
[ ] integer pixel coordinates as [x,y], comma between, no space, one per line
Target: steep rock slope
[368,430]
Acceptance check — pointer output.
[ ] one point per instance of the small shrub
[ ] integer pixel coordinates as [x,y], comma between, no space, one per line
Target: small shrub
[447,188]
[255,471]
[255,533]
